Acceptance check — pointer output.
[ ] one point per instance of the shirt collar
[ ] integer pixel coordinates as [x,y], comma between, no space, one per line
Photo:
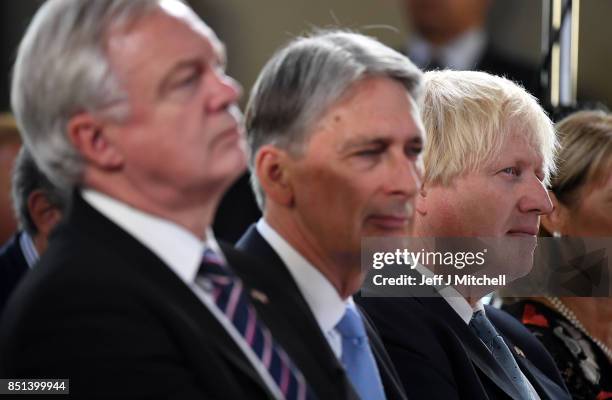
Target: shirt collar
[320,295]
[454,299]
[463,53]
[177,247]
[28,249]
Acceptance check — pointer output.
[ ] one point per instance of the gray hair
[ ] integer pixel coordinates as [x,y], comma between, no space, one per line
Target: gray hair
[309,75]
[26,179]
[62,69]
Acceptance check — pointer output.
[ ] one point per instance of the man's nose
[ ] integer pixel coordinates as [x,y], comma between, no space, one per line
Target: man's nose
[404,177]
[536,198]
[226,92]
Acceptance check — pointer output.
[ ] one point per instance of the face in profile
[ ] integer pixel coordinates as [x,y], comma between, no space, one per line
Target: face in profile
[504,197]
[360,169]
[500,202]
[183,131]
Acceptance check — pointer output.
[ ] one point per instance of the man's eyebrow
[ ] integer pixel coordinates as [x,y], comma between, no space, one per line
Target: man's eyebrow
[363,141]
[375,140]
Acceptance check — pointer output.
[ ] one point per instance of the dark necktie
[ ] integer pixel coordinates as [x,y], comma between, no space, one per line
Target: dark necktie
[485,330]
[229,296]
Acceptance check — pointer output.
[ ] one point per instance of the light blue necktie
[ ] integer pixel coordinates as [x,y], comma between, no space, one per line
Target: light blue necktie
[485,330]
[357,357]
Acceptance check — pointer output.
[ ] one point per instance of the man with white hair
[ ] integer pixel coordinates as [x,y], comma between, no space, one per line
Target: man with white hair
[487,160]
[127,103]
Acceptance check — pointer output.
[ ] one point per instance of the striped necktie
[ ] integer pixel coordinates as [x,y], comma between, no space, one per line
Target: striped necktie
[229,295]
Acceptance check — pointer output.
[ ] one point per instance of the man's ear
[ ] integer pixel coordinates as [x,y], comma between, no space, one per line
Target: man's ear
[44,215]
[272,169]
[87,134]
[421,199]
[556,220]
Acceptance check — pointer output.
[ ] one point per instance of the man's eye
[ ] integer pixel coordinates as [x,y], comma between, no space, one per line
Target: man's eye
[511,171]
[187,80]
[368,152]
[414,151]
[188,77]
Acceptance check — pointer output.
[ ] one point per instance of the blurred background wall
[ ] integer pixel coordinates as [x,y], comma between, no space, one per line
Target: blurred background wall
[253,29]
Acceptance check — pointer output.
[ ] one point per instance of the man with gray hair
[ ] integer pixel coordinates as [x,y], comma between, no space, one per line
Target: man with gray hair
[127,103]
[335,155]
[38,205]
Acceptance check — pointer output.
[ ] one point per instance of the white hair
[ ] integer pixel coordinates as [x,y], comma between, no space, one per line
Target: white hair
[62,69]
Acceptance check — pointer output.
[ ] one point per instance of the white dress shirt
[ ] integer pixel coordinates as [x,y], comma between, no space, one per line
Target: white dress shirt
[28,249]
[463,53]
[182,252]
[320,295]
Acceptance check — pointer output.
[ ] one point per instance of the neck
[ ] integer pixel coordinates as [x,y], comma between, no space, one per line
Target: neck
[194,211]
[595,313]
[343,272]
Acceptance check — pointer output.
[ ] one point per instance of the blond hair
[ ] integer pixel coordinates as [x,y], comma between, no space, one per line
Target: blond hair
[585,154]
[468,115]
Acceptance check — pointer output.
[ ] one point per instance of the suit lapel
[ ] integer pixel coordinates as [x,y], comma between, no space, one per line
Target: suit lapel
[476,350]
[541,383]
[391,381]
[141,261]
[271,278]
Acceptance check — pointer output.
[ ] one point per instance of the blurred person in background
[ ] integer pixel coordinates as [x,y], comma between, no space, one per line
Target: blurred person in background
[577,331]
[452,34]
[10,142]
[38,205]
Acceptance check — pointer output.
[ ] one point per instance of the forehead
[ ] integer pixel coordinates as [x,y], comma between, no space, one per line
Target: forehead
[518,146]
[160,39]
[372,107]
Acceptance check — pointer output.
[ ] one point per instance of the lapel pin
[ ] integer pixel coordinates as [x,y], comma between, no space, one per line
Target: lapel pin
[519,351]
[259,296]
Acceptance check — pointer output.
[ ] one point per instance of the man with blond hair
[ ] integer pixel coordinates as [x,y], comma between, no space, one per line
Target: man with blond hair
[487,160]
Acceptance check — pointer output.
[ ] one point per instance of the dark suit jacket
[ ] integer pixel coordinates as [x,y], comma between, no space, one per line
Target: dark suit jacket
[13,267]
[439,357]
[105,312]
[301,335]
